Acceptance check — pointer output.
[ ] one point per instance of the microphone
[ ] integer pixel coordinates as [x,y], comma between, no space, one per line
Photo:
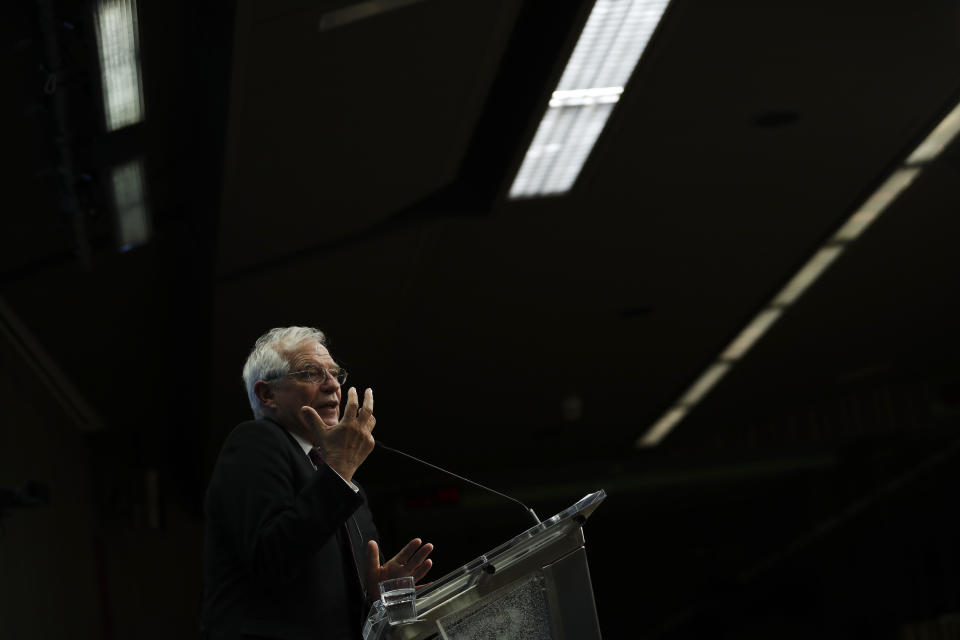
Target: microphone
[529,511]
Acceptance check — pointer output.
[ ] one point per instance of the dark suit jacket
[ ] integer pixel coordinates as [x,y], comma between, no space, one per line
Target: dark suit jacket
[285,543]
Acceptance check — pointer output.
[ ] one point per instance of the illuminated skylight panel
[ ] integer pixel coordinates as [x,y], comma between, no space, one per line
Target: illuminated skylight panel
[640,23]
[614,37]
[539,157]
[117,44]
[566,138]
[130,205]
[588,122]
[596,40]
[606,53]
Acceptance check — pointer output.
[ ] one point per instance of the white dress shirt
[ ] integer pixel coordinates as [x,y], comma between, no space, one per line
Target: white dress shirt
[306,451]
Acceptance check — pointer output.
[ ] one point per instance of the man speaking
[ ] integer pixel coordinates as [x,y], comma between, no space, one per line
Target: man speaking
[291,550]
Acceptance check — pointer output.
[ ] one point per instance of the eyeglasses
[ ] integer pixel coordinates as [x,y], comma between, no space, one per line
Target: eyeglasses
[317,375]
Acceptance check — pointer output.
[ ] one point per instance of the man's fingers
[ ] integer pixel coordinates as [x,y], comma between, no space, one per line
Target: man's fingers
[420,555]
[365,413]
[373,566]
[422,571]
[350,410]
[404,555]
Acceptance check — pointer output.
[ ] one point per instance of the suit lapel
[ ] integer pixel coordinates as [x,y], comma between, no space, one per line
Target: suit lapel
[302,465]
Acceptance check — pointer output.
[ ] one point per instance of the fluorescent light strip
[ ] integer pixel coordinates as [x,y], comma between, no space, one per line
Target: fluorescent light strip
[939,138]
[607,51]
[117,44]
[130,205]
[748,337]
[876,203]
[663,426]
[895,184]
[704,383]
[807,275]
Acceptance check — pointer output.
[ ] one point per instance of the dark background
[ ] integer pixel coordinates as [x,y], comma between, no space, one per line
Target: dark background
[354,180]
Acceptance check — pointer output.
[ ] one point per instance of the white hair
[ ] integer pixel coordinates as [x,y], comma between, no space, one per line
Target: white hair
[270,358]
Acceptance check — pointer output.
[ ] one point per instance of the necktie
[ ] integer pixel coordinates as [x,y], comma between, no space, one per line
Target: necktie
[316,457]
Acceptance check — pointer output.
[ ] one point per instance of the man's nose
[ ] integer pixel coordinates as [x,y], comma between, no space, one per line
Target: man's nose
[330,381]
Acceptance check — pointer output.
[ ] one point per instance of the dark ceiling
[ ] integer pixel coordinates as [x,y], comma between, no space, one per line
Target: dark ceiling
[354,179]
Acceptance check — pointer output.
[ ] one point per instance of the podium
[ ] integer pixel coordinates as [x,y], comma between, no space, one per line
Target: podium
[535,586]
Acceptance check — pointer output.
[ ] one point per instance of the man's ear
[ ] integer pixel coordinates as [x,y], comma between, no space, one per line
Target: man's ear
[264,393]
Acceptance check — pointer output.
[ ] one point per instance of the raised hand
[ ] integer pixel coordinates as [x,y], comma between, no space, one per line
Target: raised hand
[346,444]
[411,561]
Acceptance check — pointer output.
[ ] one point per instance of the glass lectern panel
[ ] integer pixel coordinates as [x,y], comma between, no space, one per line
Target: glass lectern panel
[502,557]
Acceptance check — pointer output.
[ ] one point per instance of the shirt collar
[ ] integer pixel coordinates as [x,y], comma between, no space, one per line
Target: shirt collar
[307,447]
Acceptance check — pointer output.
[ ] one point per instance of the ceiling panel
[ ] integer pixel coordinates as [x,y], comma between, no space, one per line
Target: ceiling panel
[333,132]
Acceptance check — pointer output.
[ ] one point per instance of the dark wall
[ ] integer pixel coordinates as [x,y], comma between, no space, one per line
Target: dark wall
[51,557]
